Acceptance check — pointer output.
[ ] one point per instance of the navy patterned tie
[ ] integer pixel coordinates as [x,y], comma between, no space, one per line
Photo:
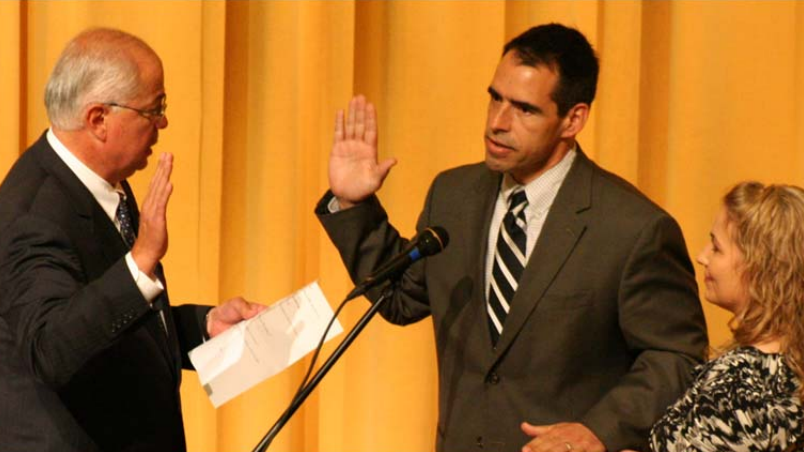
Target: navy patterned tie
[509,262]
[124,217]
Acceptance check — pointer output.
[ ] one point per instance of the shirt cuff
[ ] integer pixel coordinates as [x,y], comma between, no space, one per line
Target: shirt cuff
[149,288]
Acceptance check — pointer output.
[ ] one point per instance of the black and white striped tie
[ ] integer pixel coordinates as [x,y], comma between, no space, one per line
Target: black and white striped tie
[509,262]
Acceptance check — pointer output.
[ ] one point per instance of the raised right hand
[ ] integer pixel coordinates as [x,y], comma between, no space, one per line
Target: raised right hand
[152,236]
[354,173]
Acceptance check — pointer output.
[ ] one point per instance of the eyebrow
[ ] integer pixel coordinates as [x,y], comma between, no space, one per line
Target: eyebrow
[493,92]
[159,99]
[524,106]
[714,239]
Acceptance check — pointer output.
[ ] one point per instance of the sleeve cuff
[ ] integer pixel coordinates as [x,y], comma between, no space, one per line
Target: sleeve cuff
[149,288]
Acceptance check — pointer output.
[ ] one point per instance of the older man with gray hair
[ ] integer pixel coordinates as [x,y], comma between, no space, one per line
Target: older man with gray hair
[91,351]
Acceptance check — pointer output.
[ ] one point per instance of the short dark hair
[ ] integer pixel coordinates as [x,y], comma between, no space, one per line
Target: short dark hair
[566,51]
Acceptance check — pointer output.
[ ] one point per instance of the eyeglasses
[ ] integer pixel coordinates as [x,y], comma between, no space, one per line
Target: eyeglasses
[154,114]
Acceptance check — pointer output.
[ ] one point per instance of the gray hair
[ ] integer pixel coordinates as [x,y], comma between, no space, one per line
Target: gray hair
[98,65]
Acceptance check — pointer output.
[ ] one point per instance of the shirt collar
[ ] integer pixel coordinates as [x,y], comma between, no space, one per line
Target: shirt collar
[543,189]
[104,193]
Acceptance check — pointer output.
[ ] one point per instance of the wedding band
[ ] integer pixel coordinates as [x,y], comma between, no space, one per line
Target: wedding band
[569,446]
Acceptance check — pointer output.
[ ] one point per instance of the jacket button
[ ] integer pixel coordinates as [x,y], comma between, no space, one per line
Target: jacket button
[493,378]
[480,442]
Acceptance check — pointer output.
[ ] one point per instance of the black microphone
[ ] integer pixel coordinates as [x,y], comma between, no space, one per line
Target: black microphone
[431,241]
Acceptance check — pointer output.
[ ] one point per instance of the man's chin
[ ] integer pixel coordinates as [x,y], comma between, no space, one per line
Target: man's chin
[141,165]
[496,163]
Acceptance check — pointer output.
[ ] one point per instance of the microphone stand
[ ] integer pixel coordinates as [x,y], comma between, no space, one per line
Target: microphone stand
[319,375]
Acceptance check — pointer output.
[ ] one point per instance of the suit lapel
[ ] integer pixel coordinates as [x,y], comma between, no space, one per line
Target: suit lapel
[480,214]
[171,341]
[561,232]
[82,200]
[93,222]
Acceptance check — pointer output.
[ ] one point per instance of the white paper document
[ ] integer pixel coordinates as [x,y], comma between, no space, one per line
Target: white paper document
[264,345]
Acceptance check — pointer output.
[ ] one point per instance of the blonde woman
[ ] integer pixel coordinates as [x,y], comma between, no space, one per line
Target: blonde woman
[749,398]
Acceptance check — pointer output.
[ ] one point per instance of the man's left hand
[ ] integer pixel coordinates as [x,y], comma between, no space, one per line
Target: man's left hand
[223,317]
[563,437]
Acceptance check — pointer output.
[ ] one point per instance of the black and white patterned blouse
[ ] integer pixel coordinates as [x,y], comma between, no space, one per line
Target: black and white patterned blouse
[745,400]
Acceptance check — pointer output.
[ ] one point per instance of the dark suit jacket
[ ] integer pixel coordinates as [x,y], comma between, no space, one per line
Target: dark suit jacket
[85,364]
[604,329]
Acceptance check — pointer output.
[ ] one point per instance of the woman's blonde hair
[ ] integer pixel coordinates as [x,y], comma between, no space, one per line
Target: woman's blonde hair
[767,225]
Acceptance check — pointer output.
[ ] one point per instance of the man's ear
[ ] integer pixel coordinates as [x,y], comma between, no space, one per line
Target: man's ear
[575,120]
[96,120]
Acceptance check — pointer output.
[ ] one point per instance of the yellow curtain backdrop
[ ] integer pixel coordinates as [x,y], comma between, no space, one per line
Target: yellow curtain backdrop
[693,96]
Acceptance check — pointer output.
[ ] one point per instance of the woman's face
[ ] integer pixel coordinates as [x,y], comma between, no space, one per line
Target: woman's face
[722,261]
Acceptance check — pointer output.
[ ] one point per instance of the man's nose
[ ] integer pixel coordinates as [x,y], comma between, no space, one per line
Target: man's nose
[500,118]
[162,122]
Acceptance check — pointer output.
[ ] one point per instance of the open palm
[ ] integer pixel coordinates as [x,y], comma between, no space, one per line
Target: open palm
[354,172]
